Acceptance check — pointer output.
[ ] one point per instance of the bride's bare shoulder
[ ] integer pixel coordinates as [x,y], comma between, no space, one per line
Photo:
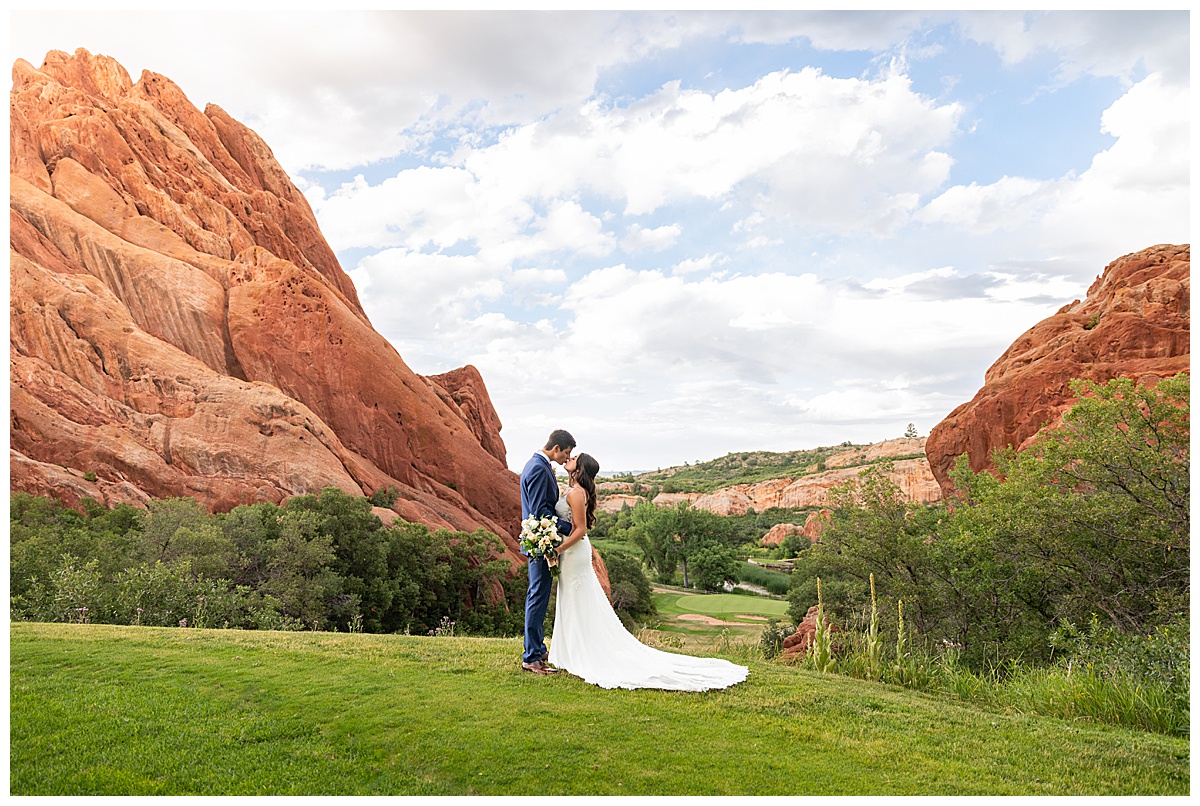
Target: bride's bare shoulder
[574,493]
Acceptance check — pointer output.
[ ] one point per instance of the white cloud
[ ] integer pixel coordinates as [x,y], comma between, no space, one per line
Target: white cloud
[566,225]
[834,30]
[1008,203]
[639,239]
[419,207]
[860,400]
[341,89]
[767,360]
[728,181]
[425,297]
[1152,124]
[696,265]
[1106,43]
[1136,193]
[807,145]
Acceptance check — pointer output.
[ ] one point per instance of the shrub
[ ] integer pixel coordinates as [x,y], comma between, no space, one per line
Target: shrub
[385,497]
[771,640]
[320,562]
[631,594]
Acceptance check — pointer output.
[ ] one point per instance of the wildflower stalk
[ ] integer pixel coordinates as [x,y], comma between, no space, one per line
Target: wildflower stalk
[874,644]
[822,651]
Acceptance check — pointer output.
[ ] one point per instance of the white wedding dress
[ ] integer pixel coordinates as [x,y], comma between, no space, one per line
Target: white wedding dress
[590,641]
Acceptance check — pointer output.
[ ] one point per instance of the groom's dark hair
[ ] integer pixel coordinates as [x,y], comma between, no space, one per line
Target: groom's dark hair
[562,439]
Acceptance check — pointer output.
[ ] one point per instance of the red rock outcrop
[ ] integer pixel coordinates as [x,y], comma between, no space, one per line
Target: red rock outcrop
[179,326]
[776,534]
[913,476]
[796,645]
[1134,323]
[615,503]
[815,523]
[888,449]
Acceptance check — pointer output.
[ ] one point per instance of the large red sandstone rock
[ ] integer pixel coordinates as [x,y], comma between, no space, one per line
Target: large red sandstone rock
[814,524]
[1134,323]
[179,326]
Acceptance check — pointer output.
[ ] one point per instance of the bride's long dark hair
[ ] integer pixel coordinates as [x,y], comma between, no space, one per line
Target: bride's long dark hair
[584,474]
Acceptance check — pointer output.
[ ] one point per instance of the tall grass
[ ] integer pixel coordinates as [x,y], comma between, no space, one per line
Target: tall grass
[1151,695]
[774,581]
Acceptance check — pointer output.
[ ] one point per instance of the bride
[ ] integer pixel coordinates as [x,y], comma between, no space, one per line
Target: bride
[589,640]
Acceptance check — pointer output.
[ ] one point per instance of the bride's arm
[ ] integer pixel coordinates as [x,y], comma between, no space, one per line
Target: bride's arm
[577,499]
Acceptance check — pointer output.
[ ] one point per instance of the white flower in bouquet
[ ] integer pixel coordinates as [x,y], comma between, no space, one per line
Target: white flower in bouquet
[539,537]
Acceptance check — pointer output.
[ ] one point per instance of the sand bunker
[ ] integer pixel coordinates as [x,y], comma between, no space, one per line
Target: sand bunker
[716,621]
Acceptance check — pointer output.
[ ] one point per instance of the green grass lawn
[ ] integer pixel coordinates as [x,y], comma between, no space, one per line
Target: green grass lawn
[607,544]
[742,619]
[723,606]
[105,710]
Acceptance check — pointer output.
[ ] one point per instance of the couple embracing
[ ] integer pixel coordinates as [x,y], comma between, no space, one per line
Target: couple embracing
[589,639]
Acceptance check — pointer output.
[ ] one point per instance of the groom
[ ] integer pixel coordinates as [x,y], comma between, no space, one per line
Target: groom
[539,494]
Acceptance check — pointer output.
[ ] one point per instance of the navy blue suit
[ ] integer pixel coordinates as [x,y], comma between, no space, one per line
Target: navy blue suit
[539,494]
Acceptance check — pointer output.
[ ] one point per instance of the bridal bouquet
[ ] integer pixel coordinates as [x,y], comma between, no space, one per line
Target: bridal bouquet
[539,538]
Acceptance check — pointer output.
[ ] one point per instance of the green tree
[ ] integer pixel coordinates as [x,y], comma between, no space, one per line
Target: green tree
[363,586]
[652,530]
[875,529]
[713,564]
[298,578]
[1099,508]
[631,594]
[792,545]
[666,536]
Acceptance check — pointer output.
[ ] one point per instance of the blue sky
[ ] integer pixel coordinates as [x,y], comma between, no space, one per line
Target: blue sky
[681,234]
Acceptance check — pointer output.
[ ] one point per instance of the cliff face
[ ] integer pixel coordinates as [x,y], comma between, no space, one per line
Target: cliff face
[179,326]
[1135,322]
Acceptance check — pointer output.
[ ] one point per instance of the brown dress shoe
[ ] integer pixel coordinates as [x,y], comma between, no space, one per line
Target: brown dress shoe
[537,667]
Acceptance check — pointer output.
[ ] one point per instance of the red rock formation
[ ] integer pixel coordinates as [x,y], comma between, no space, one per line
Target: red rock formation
[888,449]
[913,476]
[776,534]
[179,326]
[811,529]
[463,390]
[796,645]
[1134,323]
[816,523]
[615,503]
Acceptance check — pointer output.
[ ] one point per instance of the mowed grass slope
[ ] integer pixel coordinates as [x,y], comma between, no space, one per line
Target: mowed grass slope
[99,709]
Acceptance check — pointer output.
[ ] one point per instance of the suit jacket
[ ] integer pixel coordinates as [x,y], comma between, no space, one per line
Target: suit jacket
[539,491]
